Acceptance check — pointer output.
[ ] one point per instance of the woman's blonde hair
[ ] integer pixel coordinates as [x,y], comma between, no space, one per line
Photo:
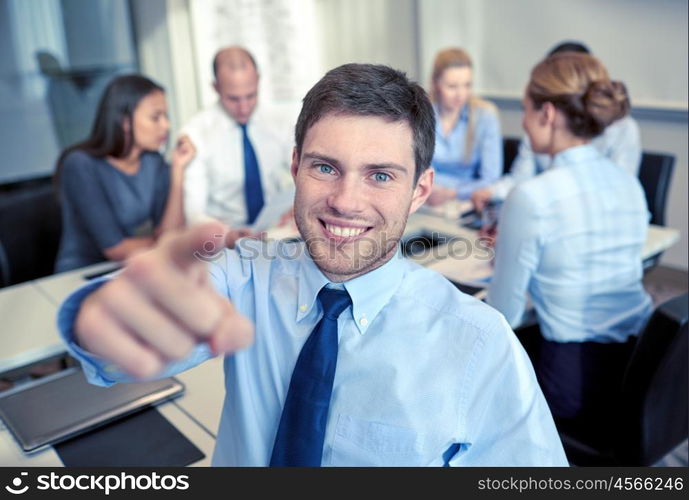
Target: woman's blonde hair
[579,85]
[458,58]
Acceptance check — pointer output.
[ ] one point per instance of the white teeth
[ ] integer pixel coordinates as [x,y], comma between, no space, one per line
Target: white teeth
[344,232]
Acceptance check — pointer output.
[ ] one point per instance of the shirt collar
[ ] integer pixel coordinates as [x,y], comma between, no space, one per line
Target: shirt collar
[311,280]
[369,292]
[577,154]
[231,122]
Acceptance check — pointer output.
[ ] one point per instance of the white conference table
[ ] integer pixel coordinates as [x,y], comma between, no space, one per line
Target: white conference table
[29,332]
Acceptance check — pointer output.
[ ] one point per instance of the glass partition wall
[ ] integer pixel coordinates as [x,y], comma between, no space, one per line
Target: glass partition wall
[56,56]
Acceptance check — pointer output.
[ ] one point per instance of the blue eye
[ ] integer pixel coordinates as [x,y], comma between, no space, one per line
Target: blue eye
[381,177]
[325,169]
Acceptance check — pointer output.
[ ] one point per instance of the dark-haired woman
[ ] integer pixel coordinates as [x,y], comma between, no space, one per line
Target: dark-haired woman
[572,238]
[118,194]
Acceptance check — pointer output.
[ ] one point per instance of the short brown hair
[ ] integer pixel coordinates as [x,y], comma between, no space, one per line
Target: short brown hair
[372,90]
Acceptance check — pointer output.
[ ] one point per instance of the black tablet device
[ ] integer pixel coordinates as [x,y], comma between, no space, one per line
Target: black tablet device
[64,405]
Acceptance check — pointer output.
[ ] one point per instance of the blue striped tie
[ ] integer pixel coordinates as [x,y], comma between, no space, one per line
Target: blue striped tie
[253,192]
[299,440]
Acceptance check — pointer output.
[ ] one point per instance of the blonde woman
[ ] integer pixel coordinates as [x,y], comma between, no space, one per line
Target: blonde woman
[571,237]
[468,145]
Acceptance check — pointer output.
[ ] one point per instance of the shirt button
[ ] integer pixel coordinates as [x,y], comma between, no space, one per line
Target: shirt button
[302,308]
[363,322]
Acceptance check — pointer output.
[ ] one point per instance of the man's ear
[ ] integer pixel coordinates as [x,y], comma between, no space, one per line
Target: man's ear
[295,164]
[422,190]
[216,87]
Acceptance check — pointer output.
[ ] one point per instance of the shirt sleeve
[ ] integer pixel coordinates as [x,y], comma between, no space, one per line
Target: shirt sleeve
[81,186]
[508,419]
[98,370]
[196,184]
[490,154]
[626,150]
[516,256]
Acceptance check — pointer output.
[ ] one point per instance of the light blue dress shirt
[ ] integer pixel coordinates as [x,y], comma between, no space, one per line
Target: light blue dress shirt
[485,166]
[572,237]
[620,142]
[425,374]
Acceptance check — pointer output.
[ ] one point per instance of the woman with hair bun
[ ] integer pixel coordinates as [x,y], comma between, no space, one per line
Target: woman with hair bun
[620,141]
[572,238]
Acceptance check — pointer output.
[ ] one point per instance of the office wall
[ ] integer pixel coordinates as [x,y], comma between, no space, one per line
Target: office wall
[642,43]
[164,41]
[97,33]
[56,56]
[21,117]
[380,31]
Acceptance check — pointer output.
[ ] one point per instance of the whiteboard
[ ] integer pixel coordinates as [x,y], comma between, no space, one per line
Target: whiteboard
[270,30]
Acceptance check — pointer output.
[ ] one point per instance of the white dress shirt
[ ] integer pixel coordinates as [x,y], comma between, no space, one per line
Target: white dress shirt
[214,180]
[620,142]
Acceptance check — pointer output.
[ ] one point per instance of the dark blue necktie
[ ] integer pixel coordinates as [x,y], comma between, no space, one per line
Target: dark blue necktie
[299,440]
[253,192]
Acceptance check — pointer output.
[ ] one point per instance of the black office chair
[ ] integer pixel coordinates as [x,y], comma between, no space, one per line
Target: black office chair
[30,230]
[652,417]
[655,173]
[510,149]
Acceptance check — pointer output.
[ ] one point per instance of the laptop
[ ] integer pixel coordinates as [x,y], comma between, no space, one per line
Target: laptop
[64,405]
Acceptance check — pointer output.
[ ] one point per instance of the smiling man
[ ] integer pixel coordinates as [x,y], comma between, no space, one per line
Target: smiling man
[359,357]
[355,188]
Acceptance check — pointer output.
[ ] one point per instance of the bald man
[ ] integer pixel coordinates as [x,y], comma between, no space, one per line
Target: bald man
[241,161]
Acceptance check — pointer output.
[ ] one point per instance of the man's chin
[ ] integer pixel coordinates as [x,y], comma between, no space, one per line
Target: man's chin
[338,272]
[339,265]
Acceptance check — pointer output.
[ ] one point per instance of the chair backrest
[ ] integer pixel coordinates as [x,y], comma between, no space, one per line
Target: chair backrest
[510,149]
[655,173]
[653,418]
[30,230]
